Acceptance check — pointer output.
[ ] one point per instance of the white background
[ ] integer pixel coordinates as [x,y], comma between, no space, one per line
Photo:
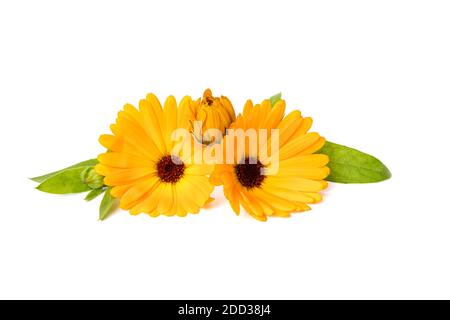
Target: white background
[374,75]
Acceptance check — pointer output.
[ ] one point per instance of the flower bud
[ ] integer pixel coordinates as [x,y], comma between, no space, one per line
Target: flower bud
[92,178]
[213,113]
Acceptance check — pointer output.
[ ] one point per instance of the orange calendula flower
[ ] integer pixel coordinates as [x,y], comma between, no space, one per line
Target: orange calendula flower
[274,182]
[213,113]
[140,166]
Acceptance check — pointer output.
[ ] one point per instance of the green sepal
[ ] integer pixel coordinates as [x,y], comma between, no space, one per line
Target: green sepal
[90,162]
[108,204]
[348,165]
[94,194]
[66,181]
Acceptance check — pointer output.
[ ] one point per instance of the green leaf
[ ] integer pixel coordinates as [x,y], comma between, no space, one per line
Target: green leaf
[349,165]
[90,162]
[67,181]
[94,194]
[275,98]
[109,203]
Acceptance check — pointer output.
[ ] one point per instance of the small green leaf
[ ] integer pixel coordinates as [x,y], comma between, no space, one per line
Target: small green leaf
[94,194]
[91,162]
[349,165]
[275,98]
[108,204]
[67,181]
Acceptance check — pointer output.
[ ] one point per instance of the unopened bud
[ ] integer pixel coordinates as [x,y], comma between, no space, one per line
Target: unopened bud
[213,113]
[92,178]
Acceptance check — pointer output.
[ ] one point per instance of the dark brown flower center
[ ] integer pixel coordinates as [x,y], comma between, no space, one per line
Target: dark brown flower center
[249,173]
[209,101]
[208,98]
[170,170]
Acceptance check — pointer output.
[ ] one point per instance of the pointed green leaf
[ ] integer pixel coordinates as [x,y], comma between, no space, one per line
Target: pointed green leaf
[91,162]
[349,165]
[275,98]
[67,181]
[94,194]
[109,203]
